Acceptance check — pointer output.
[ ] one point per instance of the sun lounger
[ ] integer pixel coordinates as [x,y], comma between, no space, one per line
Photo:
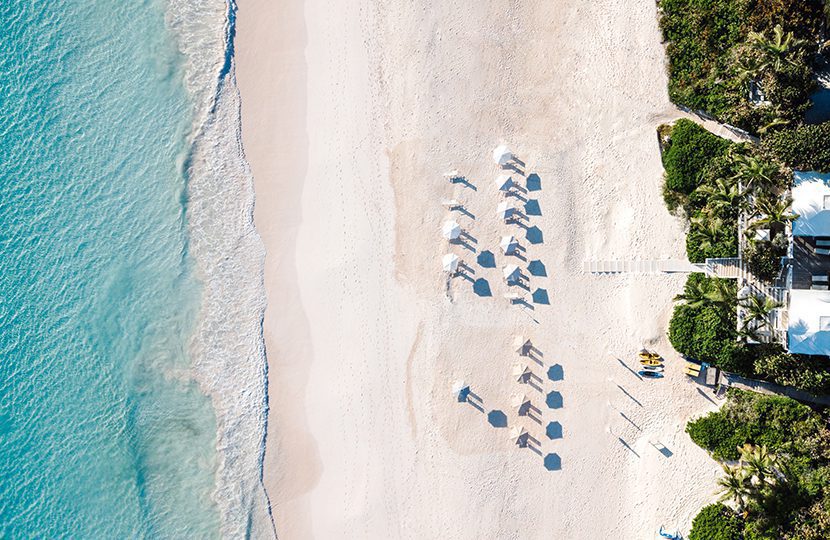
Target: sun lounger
[821,278]
[823,243]
[692,369]
[822,251]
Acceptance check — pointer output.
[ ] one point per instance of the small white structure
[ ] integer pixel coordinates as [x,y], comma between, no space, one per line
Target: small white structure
[762,235]
[450,263]
[451,230]
[505,210]
[504,183]
[512,274]
[502,155]
[521,403]
[522,345]
[509,244]
[522,373]
[811,201]
[808,327]
[518,435]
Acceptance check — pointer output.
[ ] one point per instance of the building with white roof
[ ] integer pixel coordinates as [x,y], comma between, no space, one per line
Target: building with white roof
[808,309]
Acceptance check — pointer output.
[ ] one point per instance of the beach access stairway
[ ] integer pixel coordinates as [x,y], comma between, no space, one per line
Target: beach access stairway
[655,266]
[724,268]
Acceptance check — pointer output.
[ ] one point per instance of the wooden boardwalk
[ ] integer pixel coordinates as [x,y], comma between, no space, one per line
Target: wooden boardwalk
[653,266]
[763,387]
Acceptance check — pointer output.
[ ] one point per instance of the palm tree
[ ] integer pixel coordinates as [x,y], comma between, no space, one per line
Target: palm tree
[774,51]
[773,211]
[753,172]
[705,231]
[734,487]
[776,122]
[758,309]
[695,295]
[721,293]
[759,465]
[724,195]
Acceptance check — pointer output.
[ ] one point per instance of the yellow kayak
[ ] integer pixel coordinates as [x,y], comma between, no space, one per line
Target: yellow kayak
[649,356]
[650,362]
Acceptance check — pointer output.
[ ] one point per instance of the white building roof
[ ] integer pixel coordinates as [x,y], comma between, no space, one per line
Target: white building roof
[811,201]
[808,330]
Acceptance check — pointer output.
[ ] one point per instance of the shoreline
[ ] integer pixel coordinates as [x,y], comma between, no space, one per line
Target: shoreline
[226,346]
[270,72]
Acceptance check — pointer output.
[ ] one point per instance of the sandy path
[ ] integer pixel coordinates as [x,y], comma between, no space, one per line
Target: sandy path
[352,111]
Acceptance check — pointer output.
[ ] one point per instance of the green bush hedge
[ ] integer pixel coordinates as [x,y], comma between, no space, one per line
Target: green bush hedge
[805,148]
[708,48]
[699,36]
[692,148]
[797,506]
[716,522]
[805,372]
[706,332]
[764,258]
[780,423]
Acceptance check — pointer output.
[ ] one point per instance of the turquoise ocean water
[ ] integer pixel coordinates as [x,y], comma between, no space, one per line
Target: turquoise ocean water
[104,432]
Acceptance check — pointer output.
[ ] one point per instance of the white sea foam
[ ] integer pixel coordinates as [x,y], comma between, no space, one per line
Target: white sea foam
[228,347]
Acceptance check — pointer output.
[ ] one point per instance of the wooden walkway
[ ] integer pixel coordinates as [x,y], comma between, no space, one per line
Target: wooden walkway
[763,387]
[654,266]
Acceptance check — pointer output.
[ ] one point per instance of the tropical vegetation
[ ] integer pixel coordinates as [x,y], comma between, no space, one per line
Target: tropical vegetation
[775,454]
[749,63]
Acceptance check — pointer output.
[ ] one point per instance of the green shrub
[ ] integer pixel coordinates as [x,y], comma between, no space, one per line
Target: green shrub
[805,148]
[701,245]
[807,373]
[802,17]
[717,434]
[764,258]
[700,36]
[706,331]
[708,43]
[716,522]
[692,149]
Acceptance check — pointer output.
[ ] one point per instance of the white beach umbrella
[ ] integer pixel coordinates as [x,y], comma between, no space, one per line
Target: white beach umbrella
[512,273]
[522,372]
[522,345]
[451,230]
[504,182]
[520,401]
[450,262]
[505,210]
[509,244]
[502,155]
[459,387]
[518,434]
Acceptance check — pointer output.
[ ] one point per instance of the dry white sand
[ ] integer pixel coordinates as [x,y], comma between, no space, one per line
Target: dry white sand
[351,113]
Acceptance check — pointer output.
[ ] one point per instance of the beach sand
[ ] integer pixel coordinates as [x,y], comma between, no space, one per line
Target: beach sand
[351,113]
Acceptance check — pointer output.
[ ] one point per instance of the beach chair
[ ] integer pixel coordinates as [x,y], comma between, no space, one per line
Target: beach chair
[823,243]
[822,251]
[820,282]
[691,369]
